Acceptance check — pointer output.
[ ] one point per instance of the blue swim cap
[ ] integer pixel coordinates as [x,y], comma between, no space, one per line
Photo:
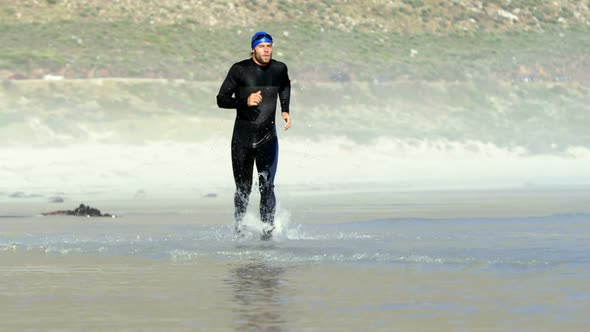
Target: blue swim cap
[261,37]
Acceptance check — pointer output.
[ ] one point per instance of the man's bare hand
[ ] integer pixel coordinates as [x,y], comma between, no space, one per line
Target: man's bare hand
[254,99]
[287,118]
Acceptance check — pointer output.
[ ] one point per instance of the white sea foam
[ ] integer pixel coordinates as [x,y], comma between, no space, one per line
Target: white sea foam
[169,166]
[283,229]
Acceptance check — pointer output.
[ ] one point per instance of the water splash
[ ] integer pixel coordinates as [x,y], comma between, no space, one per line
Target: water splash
[253,227]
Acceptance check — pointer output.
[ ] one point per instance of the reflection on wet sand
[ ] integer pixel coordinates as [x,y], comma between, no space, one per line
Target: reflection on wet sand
[258,289]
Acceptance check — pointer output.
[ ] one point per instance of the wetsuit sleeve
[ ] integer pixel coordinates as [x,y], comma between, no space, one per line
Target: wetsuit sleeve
[285,92]
[226,98]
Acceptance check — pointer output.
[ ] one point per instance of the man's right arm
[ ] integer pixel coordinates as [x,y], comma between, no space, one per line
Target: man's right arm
[229,87]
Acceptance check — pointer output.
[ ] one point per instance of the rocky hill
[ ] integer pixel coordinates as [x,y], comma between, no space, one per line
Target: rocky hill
[325,40]
[404,16]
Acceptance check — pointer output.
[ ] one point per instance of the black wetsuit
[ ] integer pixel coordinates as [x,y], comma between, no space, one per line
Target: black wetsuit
[254,136]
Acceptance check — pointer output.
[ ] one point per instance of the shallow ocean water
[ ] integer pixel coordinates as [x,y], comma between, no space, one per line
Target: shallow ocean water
[494,243]
[177,271]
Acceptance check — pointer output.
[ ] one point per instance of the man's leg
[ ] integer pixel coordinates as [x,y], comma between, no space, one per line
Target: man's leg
[266,163]
[242,165]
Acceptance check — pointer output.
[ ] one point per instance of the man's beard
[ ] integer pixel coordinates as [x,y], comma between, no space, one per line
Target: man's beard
[260,59]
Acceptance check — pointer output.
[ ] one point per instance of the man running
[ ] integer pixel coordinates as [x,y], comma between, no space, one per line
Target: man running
[252,87]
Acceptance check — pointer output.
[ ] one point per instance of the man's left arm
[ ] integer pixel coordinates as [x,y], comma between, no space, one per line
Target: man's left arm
[285,99]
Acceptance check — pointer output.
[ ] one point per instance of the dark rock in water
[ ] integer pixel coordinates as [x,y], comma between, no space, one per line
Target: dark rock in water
[80,211]
[210,195]
[56,199]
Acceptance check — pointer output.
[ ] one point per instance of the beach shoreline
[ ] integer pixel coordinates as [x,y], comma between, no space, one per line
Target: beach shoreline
[378,260]
[325,206]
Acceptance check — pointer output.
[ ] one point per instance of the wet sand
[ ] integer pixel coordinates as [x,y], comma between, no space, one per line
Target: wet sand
[49,291]
[73,293]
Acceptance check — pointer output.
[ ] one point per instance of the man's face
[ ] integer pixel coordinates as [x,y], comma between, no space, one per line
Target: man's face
[263,53]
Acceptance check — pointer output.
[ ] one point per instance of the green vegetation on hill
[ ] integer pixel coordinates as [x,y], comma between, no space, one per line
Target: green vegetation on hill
[320,40]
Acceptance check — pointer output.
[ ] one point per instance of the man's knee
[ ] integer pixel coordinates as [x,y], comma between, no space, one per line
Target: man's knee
[242,195]
[265,182]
